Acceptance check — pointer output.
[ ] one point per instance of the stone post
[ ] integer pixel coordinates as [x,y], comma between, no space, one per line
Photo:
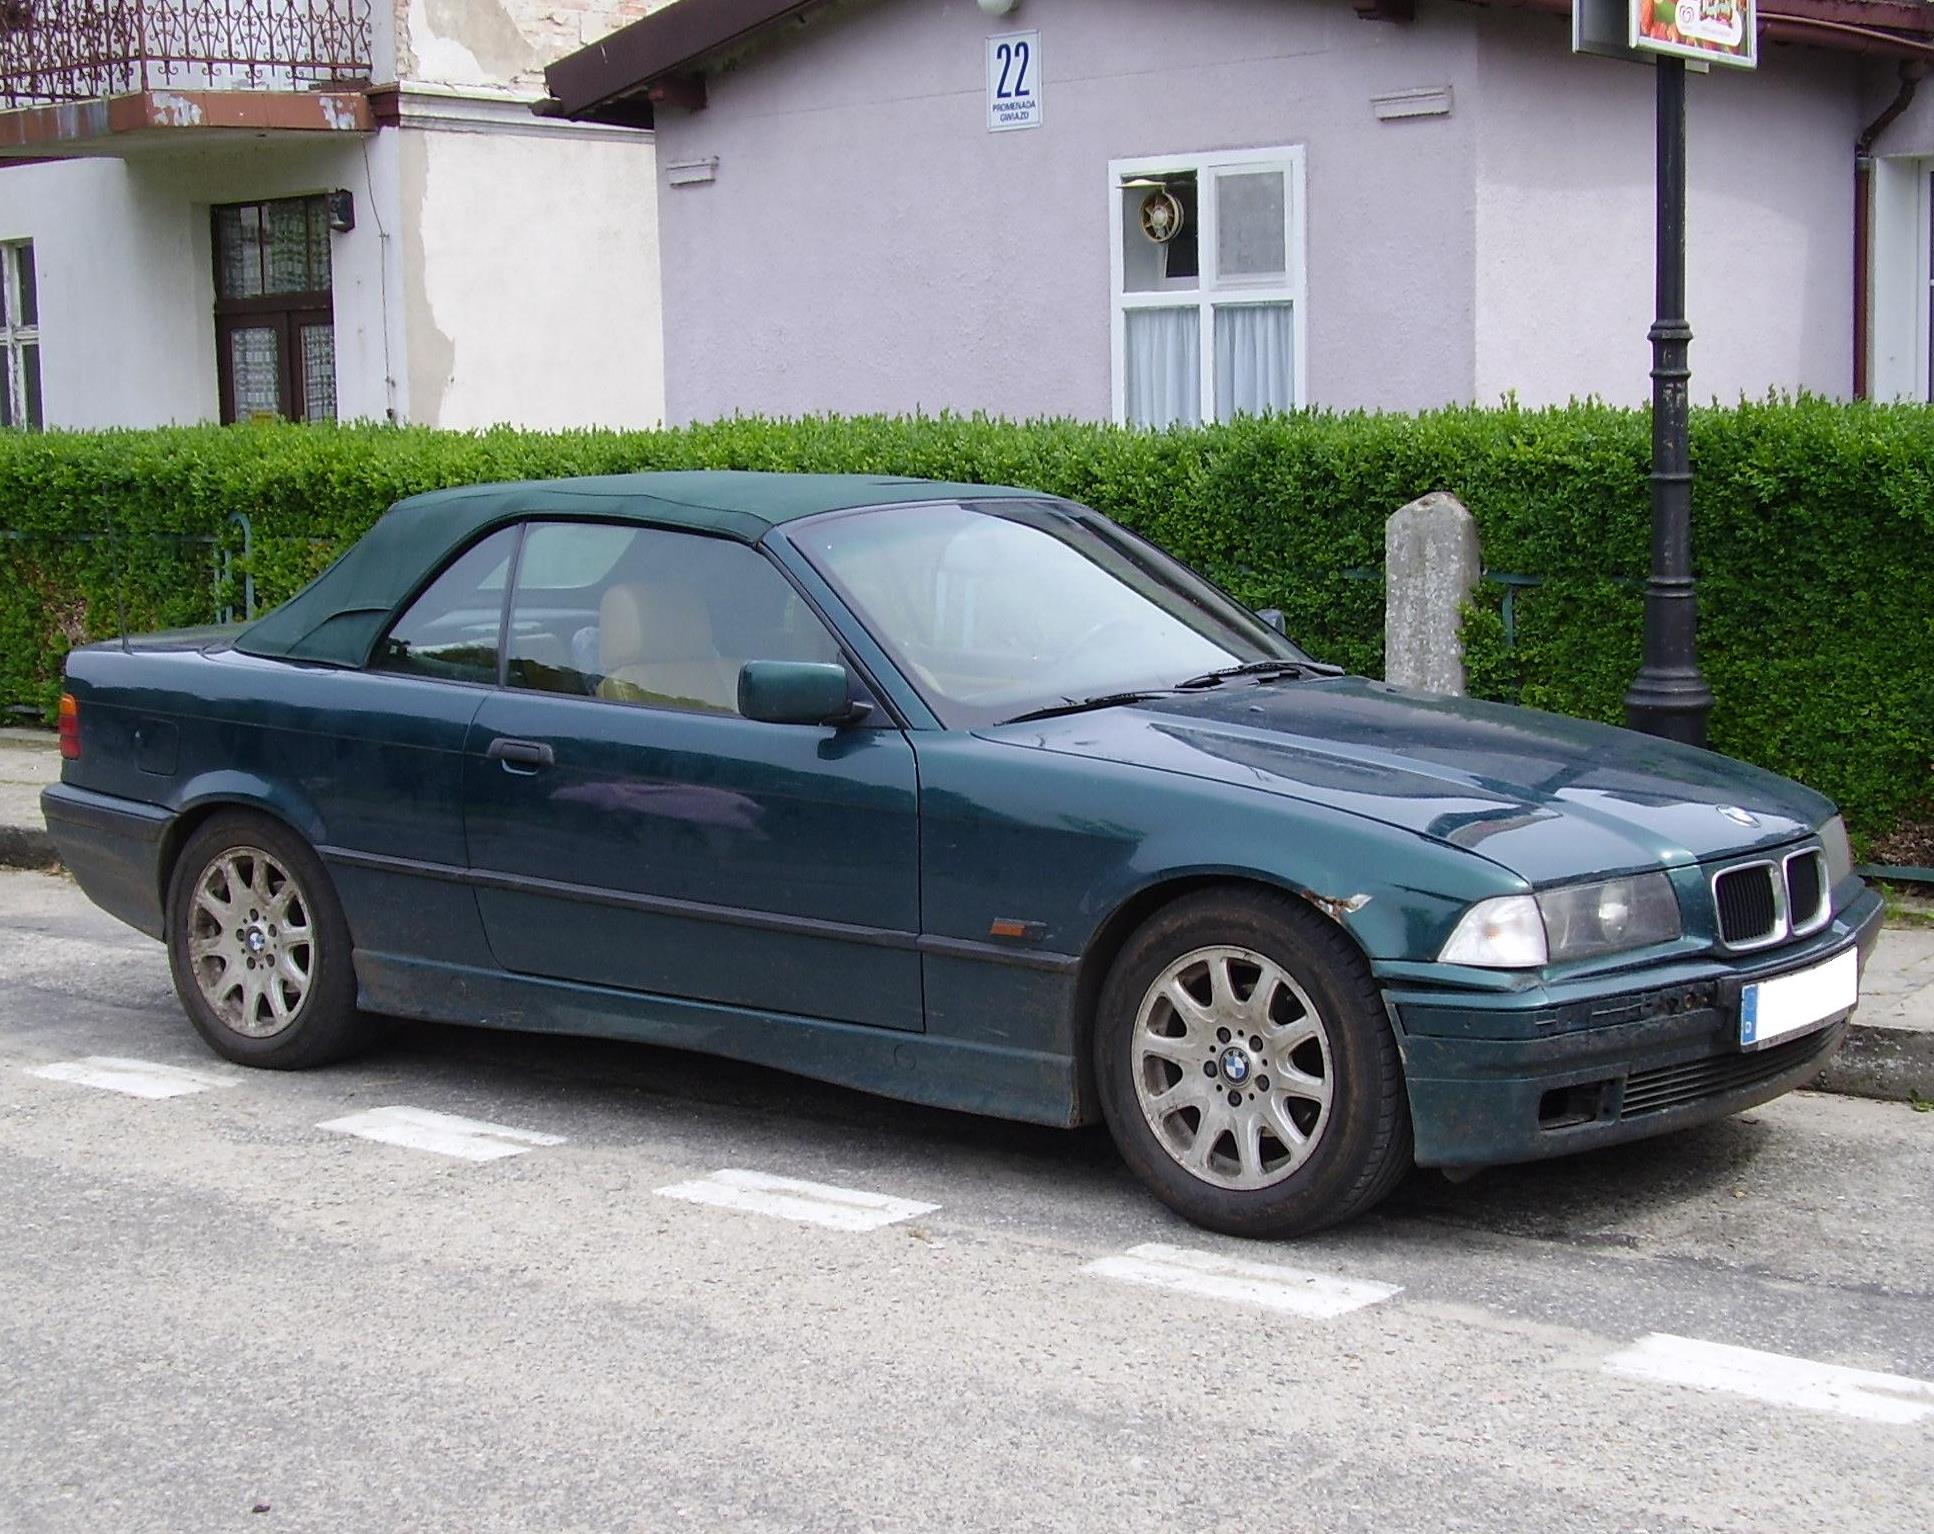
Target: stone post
[1431,564]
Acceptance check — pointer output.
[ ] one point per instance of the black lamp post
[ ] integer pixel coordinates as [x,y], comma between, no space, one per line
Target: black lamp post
[1669,697]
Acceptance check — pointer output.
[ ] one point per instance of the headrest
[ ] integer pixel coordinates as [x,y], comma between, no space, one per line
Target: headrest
[643,623]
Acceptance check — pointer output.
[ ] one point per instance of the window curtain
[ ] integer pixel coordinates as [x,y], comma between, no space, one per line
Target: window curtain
[1254,360]
[1163,367]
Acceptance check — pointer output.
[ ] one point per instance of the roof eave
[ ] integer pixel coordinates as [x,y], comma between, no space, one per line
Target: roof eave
[622,78]
[653,61]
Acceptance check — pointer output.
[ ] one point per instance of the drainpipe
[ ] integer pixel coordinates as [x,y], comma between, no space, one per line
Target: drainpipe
[1912,71]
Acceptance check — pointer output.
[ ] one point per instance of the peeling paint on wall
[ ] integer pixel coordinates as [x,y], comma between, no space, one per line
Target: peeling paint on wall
[339,113]
[176,111]
[501,42]
[431,353]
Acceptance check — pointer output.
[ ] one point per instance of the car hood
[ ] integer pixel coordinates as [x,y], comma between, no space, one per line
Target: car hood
[1549,797]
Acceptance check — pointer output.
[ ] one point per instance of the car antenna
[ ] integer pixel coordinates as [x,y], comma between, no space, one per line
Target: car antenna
[121,593]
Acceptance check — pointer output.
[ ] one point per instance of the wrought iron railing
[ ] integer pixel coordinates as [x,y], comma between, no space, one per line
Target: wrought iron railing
[75,50]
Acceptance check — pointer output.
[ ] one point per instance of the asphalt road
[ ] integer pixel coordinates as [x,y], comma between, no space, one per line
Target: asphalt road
[219,1314]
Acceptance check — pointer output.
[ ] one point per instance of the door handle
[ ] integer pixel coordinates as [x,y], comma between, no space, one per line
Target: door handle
[520,755]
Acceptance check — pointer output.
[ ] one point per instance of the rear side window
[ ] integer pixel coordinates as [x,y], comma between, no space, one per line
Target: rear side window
[451,630]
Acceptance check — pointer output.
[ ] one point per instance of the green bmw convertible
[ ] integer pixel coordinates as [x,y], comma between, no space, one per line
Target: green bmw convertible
[960,794]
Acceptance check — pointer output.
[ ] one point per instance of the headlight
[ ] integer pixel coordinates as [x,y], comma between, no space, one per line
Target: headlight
[1833,842]
[1585,920]
[1576,921]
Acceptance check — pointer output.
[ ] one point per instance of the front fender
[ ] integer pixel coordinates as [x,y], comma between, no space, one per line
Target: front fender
[1064,843]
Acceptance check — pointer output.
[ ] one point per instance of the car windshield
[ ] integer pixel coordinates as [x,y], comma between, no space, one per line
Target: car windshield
[999,608]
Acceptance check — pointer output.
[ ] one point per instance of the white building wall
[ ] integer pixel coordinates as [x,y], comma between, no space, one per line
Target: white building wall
[122,343]
[528,249]
[530,288]
[126,274]
[1565,222]
[503,268]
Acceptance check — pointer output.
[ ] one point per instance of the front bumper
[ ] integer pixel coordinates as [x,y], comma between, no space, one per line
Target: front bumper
[1644,1054]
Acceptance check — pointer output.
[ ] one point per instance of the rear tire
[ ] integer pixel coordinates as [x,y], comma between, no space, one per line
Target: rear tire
[1247,1068]
[259,947]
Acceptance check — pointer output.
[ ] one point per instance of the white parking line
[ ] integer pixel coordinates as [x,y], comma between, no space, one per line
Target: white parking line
[137,1078]
[1775,1377]
[443,1133]
[788,1198]
[1317,1295]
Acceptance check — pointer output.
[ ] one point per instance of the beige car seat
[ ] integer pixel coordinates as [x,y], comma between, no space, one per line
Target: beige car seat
[655,645]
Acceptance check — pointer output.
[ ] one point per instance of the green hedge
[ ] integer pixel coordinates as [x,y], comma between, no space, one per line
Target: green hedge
[1813,540]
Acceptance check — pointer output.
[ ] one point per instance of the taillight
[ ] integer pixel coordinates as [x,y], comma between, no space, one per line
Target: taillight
[70,726]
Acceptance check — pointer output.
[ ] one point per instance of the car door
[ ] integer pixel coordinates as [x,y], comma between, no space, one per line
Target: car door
[627,828]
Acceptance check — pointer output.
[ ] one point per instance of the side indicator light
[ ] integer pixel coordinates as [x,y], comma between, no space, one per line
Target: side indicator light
[70,727]
[1007,926]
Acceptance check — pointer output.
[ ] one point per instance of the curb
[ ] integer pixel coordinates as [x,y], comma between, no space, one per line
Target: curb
[28,847]
[1892,1064]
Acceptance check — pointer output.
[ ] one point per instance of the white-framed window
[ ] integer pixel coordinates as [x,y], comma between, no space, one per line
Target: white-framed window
[1207,258]
[20,337]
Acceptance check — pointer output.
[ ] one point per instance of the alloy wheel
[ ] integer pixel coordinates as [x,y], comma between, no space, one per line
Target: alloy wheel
[1233,1067]
[251,946]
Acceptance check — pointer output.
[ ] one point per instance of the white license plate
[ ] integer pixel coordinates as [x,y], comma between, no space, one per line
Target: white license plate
[1774,1009]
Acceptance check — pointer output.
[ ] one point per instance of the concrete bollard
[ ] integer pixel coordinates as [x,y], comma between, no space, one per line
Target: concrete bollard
[1431,564]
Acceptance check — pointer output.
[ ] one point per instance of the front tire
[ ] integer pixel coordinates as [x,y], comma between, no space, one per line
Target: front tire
[1247,1069]
[259,948]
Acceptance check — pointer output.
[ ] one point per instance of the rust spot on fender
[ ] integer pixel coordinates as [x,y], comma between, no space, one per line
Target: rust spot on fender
[1336,907]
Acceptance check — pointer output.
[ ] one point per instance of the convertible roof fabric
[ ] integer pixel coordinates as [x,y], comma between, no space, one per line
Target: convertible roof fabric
[337,617]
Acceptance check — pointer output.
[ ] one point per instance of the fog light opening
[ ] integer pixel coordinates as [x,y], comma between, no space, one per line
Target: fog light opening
[1567,1107]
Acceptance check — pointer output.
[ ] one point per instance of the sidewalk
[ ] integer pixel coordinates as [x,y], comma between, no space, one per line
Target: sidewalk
[1889,1051]
[29,761]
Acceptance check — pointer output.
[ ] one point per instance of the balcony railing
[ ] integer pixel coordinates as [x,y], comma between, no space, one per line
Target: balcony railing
[75,50]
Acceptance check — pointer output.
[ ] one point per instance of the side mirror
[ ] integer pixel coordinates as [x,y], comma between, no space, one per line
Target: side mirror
[1273,616]
[797,692]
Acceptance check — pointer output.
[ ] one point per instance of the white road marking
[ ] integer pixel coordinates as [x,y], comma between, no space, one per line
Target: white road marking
[443,1133]
[1317,1295]
[137,1078]
[1775,1377]
[789,1198]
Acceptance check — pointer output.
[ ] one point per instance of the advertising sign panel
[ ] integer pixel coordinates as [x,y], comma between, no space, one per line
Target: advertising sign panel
[1715,31]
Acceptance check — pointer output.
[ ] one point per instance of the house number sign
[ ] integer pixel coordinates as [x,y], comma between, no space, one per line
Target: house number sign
[1013,82]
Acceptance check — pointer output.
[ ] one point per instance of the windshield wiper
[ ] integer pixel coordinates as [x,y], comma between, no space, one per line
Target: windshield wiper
[1263,670]
[1082,705]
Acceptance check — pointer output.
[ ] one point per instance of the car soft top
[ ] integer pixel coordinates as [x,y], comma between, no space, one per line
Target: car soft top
[337,616]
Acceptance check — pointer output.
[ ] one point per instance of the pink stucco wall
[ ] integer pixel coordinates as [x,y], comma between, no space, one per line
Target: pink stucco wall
[868,245]
[1565,208]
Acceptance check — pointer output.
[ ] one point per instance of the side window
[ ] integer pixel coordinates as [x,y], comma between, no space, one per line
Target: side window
[451,630]
[643,615]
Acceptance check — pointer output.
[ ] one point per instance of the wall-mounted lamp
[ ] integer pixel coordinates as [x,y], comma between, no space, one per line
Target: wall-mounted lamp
[340,208]
[998,7]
